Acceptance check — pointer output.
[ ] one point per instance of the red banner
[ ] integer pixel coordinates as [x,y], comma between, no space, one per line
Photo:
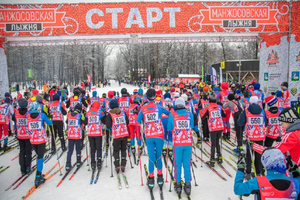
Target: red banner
[89,77]
[140,17]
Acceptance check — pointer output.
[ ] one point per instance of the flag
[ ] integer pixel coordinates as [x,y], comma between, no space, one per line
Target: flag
[213,76]
[221,77]
[202,73]
[149,78]
[89,77]
[29,73]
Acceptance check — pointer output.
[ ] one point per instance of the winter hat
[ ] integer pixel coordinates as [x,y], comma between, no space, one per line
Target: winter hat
[224,86]
[185,97]
[179,102]
[19,96]
[205,89]
[167,95]
[96,105]
[253,81]
[55,97]
[123,91]
[172,89]
[34,106]
[39,99]
[253,100]
[135,91]
[256,86]
[35,92]
[22,103]
[140,91]
[113,104]
[233,86]
[271,100]
[288,115]
[6,94]
[230,97]
[176,94]
[78,107]
[273,159]
[94,93]
[278,93]
[195,90]
[76,91]
[151,94]
[110,94]
[59,92]
[7,100]
[285,84]
[212,99]
[216,89]
[238,91]
[137,99]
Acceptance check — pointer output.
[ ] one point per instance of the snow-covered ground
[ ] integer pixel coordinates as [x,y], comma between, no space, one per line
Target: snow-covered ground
[210,186]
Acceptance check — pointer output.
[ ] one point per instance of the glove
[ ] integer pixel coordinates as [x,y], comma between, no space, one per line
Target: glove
[292,167]
[241,164]
[50,116]
[128,142]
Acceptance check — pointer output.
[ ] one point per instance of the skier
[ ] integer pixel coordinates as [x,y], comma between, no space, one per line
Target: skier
[275,185]
[74,100]
[274,127]
[23,135]
[102,99]
[257,92]
[117,121]
[203,104]
[253,120]
[286,94]
[213,114]
[110,96]
[6,110]
[181,123]
[74,122]
[95,97]
[38,137]
[124,100]
[154,133]
[280,99]
[94,132]
[57,110]
[223,99]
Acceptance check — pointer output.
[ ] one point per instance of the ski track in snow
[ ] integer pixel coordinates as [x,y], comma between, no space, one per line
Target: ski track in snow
[210,186]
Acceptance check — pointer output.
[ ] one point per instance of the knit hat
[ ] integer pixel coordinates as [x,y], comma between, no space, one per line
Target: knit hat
[123,91]
[104,95]
[205,89]
[113,104]
[216,89]
[110,94]
[212,99]
[271,100]
[273,159]
[22,103]
[238,91]
[151,94]
[172,89]
[135,91]
[185,97]
[34,106]
[285,84]
[167,95]
[176,94]
[7,94]
[35,92]
[94,93]
[224,86]
[55,97]
[230,97]
[278,93]
[137,99]
[7,100]
[39,99]
[253,100]
[288,115]
[78,107]
[179,102]
[19,96]
[96,105]
[256,86]
[76,91]
[59,92]
[140,91]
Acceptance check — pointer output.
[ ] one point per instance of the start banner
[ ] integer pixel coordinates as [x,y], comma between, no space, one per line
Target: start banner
[142,17]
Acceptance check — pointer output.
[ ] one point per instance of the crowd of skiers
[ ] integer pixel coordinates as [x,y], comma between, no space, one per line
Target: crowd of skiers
[267,132]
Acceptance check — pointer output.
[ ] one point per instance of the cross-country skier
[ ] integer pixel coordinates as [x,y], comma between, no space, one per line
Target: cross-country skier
[154,133]
[203,104]
[74,100]
[94,97]
[223,99]
[124,100]
[57,110]
[94,132]
[275,185]
[23,135]
[6,110]
[74,122]
[181,123]
[117,121]
[286,94]
[280,99]
[38,137]
[213,114]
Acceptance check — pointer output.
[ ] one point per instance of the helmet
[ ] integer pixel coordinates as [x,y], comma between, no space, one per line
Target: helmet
[94,93]
[123,91]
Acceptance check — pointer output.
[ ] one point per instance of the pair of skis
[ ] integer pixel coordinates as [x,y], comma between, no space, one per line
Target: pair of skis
[119,180]
[93,179]
[151,189]
[4,169]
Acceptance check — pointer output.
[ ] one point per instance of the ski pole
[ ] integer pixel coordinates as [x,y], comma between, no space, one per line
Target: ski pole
[167,161]
[56,152]
[128,154]
[201,151]
[170,189]
[111,167]
[87,153]
[141,166]
[251,155]
[194,175]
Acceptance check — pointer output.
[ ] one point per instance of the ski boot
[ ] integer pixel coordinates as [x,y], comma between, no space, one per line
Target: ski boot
[150,182]
[99,164]
[123,169]
[206,139]
[39,179]
[0,146]
[63,147]
[170,152]
[198,141]
[228,136]
[211,163]
[220,159]
[93,166]
[117,170]
[178,188]
[164,151]
[5,147]
[106,148]
[160,180]
[28,169]
[53,151]
[68,166]
[187,188]
[224,136]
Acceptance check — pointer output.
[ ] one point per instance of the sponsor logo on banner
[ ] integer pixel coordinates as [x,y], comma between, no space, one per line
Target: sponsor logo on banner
[27,20]
[239,16]
[266,76]
[273,58]
[298,57]
[295,76]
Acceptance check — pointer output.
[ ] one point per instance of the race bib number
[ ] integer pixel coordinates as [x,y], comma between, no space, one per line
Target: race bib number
[183,124]
[124,104]
[274,120]
[54,108]
[255,120]
[22,122]
[205,105]
[94,119]
[215,114]
[120,120]
[2,111]
[35,125]
[73,122]
[152,117]
[74,103]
